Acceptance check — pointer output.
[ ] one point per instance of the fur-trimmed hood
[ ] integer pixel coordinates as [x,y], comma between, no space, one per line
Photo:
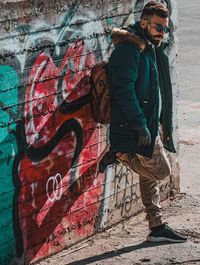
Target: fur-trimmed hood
[123,35]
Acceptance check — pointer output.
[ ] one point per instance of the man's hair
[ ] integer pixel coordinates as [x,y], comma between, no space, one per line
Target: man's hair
[154,8]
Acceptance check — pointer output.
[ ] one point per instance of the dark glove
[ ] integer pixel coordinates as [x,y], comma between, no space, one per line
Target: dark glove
[144,137]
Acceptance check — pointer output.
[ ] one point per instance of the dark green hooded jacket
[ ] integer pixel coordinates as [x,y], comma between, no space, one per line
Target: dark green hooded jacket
[136,72]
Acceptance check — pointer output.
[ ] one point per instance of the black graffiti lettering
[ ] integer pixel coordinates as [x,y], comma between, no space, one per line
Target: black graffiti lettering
[37,154]
[124,191]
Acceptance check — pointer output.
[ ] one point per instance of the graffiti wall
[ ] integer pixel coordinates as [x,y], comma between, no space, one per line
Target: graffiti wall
[50,194]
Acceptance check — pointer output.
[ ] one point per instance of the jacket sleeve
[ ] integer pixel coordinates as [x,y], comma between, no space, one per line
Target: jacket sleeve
[124,65]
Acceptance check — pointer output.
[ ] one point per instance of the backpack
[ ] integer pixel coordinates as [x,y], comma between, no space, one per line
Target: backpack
[100,102]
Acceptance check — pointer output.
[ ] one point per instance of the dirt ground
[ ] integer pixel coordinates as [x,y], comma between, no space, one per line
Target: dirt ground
[125,243]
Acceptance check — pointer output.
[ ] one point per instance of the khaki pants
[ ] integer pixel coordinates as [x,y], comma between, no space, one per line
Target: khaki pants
[150,171]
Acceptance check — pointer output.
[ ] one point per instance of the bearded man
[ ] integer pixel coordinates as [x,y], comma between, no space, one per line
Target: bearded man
[141,105]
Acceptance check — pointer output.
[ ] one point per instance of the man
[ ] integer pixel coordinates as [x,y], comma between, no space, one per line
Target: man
[139,86]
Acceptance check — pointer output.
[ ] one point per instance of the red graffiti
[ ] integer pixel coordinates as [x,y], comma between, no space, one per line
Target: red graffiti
[60,194]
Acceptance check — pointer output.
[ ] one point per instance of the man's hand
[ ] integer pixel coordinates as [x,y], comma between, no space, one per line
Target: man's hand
[144,137]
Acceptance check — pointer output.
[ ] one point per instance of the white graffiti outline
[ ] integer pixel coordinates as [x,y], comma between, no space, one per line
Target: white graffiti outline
[32,99]
[57,188]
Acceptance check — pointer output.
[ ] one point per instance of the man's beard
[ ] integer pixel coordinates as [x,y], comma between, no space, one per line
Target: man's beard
[152,39]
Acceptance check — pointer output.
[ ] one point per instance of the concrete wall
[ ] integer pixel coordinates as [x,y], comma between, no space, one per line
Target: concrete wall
[50,194]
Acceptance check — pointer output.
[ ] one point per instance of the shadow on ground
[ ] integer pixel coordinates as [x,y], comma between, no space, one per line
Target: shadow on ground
[117,252]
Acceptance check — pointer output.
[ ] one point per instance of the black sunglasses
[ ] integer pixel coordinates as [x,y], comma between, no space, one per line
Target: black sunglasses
[160,28]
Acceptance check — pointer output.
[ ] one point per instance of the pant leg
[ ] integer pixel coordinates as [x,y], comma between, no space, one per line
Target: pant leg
[150,171]
[150,195]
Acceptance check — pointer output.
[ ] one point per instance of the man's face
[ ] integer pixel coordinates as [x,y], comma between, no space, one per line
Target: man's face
[155,28]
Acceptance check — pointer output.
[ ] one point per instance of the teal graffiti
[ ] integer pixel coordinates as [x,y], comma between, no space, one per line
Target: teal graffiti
[109,21]
[8,148]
